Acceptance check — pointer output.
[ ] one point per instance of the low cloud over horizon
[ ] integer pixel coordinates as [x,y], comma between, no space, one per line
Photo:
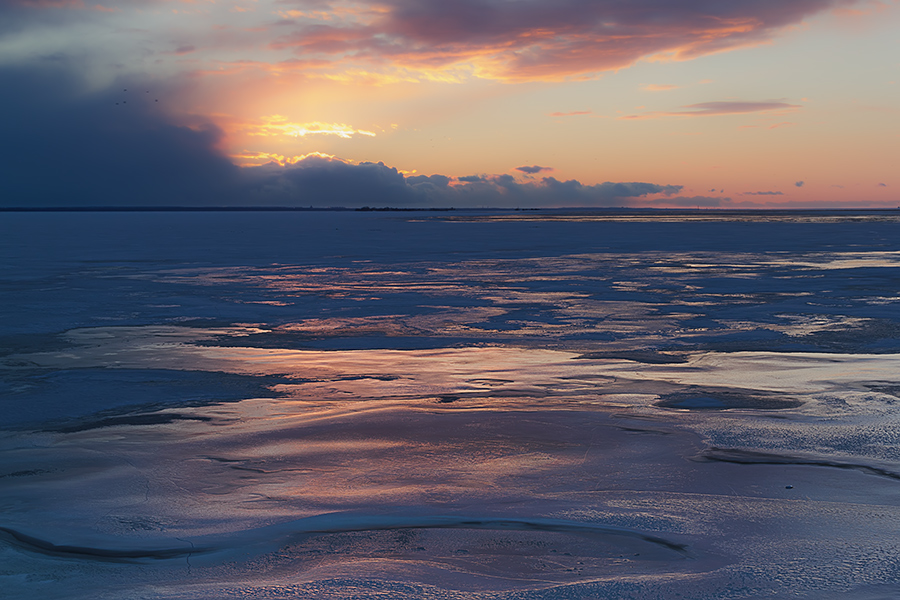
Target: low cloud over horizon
[72,146]
[328,181]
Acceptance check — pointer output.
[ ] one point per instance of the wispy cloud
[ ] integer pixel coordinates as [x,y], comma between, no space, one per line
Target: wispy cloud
[707,109]
[763,194]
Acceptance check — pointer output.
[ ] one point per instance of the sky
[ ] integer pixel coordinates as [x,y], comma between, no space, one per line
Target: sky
[463,103]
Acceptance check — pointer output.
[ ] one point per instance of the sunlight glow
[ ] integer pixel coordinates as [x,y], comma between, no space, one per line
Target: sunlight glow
[276,125]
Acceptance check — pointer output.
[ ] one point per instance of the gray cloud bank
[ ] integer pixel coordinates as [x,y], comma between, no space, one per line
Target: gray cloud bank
[328,182]
[67,145]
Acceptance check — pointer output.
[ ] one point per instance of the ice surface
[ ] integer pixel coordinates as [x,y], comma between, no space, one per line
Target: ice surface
[461,405]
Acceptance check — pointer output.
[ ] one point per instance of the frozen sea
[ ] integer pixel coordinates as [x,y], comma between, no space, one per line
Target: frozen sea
[504,405]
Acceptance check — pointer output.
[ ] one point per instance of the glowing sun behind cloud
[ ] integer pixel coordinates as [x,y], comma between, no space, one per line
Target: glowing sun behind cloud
[277,125]
[732,96]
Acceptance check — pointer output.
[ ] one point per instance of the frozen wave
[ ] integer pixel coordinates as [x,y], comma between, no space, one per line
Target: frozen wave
[748,457]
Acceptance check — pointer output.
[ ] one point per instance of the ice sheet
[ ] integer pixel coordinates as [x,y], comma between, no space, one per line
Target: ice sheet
[368,405]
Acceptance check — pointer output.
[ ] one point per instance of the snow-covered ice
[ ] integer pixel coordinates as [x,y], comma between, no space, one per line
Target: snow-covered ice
[450,405]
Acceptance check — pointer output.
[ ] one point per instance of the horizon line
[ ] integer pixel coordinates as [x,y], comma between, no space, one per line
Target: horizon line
[421,209]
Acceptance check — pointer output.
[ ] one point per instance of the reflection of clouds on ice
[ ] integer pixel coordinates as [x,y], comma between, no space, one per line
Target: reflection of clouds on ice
[844,260]
[582,282]
[581,301]
[825,399]
[466,466]
[804,325]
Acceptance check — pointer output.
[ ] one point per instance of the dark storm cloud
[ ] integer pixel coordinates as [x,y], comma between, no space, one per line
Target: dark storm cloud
[63,144]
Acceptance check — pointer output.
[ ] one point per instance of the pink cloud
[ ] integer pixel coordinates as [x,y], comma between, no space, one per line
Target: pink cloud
[544,39]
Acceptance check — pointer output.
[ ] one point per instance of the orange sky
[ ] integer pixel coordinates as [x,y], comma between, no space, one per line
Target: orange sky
[750,103]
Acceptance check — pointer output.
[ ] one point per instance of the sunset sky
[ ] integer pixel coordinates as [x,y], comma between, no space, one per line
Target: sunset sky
[731,103]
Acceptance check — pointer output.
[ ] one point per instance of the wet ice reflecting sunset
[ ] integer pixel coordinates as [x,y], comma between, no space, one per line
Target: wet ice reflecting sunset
[541,424]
